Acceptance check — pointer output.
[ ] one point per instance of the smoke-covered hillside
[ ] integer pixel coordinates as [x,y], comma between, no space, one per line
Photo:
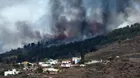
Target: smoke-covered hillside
[41,50]
[27,21]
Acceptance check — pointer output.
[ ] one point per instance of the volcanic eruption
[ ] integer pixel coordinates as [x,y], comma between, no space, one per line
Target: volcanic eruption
[28,21]
[78,19]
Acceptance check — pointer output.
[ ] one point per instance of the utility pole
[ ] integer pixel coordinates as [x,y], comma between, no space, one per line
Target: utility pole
[82,53]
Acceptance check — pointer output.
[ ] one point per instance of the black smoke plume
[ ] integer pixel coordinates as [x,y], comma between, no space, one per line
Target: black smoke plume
[70,20]
[29,21]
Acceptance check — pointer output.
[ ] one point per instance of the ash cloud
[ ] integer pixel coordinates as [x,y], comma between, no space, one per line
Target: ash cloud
[26,21]
[23,22]
[84,18]
[68,18]
[23,34]
[133,14]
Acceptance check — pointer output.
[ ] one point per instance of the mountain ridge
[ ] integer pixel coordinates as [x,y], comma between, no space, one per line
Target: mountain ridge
[33,51]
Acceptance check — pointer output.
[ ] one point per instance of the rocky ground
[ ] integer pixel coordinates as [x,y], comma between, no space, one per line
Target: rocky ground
[115,69]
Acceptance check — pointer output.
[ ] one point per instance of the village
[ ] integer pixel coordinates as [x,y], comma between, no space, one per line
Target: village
[48,67]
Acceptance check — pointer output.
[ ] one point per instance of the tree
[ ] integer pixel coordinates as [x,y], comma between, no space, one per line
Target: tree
[39,70]
[46,59]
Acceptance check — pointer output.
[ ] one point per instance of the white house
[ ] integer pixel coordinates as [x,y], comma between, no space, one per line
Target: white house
[43,64]
[52,62]
[76,60]
[66,61]
[66,64]
[13,72]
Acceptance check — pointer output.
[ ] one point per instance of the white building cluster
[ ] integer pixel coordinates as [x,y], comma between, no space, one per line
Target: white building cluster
[13,72]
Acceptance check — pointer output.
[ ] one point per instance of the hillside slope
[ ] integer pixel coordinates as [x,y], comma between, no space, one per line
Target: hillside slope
[127,66]
[119,48]
[42,50]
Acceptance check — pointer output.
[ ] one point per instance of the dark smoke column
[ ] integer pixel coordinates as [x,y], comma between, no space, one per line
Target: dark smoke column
[106,13]
[122,5]
[68,18]
[110,10]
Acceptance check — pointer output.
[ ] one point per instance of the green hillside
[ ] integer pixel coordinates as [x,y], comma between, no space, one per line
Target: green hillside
[39,51]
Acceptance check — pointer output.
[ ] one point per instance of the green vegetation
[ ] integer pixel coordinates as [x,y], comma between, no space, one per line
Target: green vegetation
[39,70]
[41,50]
[46,59]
